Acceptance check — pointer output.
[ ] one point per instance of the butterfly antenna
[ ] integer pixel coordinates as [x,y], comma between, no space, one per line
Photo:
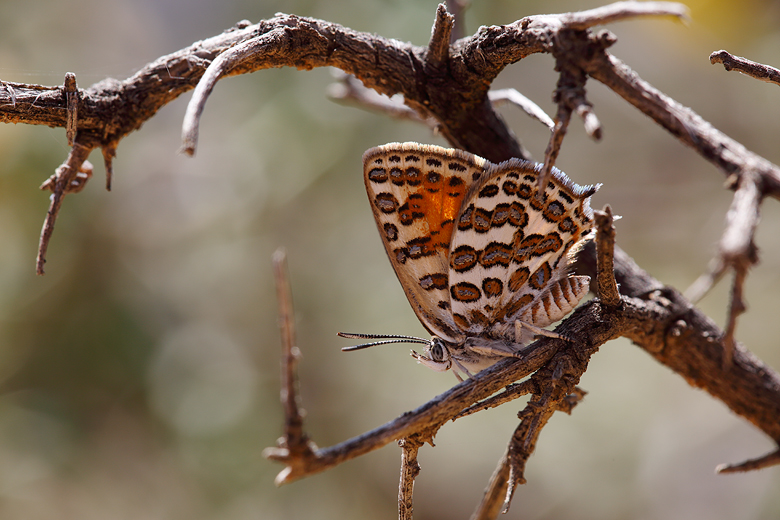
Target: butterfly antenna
[383,340]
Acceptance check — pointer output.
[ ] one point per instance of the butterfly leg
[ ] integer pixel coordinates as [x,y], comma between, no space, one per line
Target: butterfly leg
[494,349]
[536,331]
[524,334]
[457,368]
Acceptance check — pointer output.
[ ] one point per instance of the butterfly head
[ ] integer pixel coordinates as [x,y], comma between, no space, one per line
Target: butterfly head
[436,355]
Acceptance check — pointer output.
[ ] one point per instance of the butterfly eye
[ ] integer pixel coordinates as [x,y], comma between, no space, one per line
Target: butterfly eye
[438,351]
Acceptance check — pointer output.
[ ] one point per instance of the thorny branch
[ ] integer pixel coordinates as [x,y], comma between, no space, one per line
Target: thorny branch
[447,86]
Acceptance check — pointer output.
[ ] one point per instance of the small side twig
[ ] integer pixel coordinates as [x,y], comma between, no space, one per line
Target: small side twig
[736,250]
[70,177]
[620,11]
[768,460]
[109,152]
[510,95]
[71,91]
[699,288]
[294,448]
[577,102]
[605,252]
[349,90]
[409,471]
[510,393]
[745,66]
[554,145]
[523,443]
[555,390]
[571,400]
[218,68]
[439,46]
[570,96]
[493,498]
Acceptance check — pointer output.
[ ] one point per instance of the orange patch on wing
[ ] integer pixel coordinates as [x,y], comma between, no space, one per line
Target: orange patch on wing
[440,202]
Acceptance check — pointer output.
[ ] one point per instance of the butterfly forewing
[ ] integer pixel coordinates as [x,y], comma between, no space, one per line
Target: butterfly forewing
[416,193]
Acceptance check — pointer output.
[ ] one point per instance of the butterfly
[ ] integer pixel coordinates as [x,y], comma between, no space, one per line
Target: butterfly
[482,256]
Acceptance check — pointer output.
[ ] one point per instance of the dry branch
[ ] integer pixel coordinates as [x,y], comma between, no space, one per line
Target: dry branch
[447,85]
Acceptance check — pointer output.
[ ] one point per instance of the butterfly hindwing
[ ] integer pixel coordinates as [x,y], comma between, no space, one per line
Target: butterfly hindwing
[510,251]
[416,193]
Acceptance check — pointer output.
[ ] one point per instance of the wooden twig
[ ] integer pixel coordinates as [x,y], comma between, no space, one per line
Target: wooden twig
[349,90]
[621,11]
[460,106]
[736,251]
[71,91]
[554,384]
[605,251]
[702,285]
[109,152]
[219,68]
[510,393]
[571,400]
[745,66]
[554,145]
[492,501]
[510,95]
[438,52]
[714,146]
[65,180]
[409,471]
[766,461]
[690,344]
[294,447]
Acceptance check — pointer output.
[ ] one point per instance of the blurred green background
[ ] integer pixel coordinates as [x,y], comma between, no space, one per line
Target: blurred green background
[139,377]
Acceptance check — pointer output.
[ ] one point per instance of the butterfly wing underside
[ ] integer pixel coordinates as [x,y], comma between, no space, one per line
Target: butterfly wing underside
[416,194]
[510,251]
